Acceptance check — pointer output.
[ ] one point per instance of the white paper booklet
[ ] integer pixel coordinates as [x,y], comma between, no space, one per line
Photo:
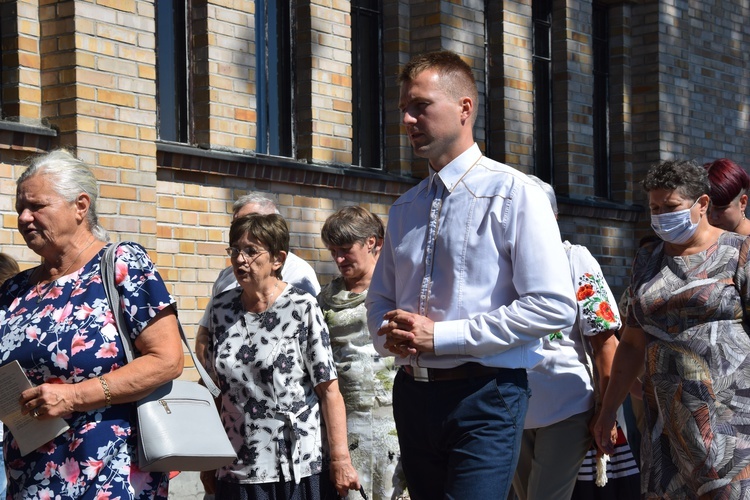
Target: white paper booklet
[29,432]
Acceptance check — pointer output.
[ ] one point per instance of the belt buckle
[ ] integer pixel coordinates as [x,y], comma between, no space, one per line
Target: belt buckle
[420,373]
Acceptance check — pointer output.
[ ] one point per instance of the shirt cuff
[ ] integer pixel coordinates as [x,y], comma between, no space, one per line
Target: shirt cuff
[448,337]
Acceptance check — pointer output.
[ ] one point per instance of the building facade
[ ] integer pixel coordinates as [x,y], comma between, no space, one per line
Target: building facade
[181,106]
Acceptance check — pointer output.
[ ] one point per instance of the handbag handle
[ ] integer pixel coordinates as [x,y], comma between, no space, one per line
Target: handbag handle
[107,267]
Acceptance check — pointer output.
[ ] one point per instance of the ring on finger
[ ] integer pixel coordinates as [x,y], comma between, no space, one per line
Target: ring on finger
[35,413]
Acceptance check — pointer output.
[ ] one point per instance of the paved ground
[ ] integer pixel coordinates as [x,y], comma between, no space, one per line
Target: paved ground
[186,486]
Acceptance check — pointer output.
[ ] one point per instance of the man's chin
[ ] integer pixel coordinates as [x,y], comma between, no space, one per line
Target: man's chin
[421,151]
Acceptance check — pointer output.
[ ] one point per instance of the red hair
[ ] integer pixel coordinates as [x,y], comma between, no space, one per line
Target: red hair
[728,181]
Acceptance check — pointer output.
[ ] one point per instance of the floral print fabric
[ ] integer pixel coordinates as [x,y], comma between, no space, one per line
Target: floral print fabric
[65,333]
[694,311]
[267,366]
[594,305]
[562,383]
[366,383]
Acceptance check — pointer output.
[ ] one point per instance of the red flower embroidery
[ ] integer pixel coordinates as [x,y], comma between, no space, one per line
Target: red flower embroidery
[605,312]
[585,291]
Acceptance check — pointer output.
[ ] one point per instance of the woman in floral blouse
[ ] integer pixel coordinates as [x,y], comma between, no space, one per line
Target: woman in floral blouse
[270,354]
[56,322]
[563,386]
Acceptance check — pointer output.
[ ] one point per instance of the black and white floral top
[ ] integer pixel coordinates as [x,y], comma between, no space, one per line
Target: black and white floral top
[267,366]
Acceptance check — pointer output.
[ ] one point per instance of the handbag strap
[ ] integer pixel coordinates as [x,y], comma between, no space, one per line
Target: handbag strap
[107,267]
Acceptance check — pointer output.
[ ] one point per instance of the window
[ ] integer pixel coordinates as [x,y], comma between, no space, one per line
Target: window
[3,71]
[600,30]
[367,64]
[172,70]
[542,73]
[273,38]
[8,59]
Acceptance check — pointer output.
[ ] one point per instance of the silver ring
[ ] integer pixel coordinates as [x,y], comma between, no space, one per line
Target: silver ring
[35,413]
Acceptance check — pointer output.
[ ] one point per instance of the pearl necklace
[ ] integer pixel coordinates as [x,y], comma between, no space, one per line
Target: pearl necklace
[50,284]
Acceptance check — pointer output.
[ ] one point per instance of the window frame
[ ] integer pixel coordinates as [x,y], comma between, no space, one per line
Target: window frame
[601,108]
[173,72]
[368,143]
[275,124]
[544,129]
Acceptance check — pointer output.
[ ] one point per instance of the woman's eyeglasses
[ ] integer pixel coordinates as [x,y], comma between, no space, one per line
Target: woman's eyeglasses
[248,253]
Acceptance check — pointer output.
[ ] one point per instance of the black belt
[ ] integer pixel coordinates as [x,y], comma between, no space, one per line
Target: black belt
[461,372]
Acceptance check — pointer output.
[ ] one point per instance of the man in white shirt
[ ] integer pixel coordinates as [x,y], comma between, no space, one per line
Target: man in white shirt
[472,274]
[296,271]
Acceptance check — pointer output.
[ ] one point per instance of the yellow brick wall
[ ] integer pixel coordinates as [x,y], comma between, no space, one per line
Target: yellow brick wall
[193,227]
[87,69]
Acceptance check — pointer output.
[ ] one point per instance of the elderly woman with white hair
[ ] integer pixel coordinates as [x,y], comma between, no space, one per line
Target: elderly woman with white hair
[56,322]
[564,390]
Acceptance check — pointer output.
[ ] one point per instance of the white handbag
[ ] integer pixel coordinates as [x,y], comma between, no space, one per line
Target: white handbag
[178,425]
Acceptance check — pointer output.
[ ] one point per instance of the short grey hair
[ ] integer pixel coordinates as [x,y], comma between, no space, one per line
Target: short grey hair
[352,224]
[548,190]
[265,201]
[70,177]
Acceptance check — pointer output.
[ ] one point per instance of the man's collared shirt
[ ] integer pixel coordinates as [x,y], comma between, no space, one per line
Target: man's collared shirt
[475,248]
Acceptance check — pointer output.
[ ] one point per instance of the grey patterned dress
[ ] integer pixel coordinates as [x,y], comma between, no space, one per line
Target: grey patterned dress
[694,310]
[366,382]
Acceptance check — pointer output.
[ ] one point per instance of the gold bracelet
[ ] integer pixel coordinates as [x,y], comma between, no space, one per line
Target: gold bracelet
[107,394]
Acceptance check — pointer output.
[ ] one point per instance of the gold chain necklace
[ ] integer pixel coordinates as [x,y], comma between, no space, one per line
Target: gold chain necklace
[50,285]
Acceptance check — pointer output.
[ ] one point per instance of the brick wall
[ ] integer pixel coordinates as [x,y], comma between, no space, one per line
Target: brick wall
[679,88]
[324,79]
[511,98]
[20,33]
[224,58]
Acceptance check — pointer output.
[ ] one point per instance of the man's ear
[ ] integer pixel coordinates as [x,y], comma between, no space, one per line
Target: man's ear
[467,109]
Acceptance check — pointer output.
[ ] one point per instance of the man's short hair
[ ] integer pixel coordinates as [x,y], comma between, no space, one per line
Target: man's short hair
[263,200]
[457,78]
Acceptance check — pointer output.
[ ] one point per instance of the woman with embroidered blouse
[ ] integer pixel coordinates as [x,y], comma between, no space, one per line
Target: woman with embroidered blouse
[565,385]
[354,237]
[270,353]
[55,320]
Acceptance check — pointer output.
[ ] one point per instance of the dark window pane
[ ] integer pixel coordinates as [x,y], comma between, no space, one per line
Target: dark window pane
[541,11]
[542,41]
[542,69]
[367,86]
[4,18]
[600,28]
[274,78]
[172,70]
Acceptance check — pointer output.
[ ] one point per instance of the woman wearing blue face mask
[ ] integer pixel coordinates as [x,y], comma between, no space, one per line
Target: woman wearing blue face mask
[688,330]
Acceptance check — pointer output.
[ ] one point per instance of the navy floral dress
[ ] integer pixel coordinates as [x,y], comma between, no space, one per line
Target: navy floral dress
[267,366]
[65,333]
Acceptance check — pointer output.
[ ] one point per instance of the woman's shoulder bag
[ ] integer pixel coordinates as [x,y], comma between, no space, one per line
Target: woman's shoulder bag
[179,428]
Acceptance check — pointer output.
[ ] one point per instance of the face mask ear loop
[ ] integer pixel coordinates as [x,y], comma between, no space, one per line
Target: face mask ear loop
[700,215]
